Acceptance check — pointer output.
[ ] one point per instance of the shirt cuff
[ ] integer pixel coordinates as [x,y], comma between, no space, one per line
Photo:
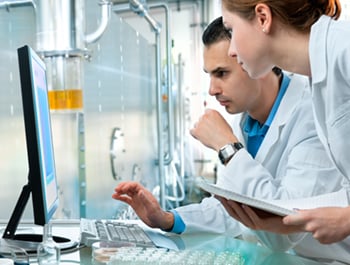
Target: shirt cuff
[179,225]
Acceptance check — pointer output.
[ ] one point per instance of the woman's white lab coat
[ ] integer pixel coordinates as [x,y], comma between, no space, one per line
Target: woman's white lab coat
[330,69]
[290,163]
[329,50]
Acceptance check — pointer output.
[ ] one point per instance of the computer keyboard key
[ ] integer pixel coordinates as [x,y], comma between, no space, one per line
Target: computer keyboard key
[98,230]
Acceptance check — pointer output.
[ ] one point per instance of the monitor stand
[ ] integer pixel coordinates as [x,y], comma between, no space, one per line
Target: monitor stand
[30,242]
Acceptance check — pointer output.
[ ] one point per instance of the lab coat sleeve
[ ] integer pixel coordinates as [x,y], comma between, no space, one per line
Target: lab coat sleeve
[209,216]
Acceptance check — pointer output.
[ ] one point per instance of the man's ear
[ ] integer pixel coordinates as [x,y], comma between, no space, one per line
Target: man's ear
[263,16]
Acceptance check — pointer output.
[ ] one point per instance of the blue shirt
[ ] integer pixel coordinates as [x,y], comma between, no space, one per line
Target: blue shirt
[256,134]
[254,130]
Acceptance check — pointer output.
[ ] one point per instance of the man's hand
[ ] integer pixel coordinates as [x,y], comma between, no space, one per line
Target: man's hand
[327,224]
[213,131]
[258,219]
[144,204]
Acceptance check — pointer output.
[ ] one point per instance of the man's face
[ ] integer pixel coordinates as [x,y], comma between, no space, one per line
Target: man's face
[229,83]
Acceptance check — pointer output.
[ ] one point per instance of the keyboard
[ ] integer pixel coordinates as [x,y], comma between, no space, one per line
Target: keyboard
[110,230]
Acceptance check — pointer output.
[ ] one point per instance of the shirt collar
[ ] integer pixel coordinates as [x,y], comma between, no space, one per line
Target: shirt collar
[252,127]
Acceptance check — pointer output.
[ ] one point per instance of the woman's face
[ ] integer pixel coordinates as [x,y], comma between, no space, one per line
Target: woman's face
[249,43]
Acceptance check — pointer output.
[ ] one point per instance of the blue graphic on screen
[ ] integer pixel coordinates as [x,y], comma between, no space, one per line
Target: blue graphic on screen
[47,160]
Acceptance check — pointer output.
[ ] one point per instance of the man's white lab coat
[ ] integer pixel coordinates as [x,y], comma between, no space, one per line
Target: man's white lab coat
[290,163]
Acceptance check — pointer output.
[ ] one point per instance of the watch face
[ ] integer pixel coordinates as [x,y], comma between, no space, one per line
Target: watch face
[228,150]
[226,153]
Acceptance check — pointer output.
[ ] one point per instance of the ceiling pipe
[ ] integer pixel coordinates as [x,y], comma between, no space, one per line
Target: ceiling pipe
[142,10]
[105,18]
[65,35]
[49,44]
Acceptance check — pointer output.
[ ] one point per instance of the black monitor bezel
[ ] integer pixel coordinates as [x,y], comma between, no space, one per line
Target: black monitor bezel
[36,178]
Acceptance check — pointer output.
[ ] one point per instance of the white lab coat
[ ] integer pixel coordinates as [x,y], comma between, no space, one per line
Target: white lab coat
[290,163]
[330,87]
[330,69]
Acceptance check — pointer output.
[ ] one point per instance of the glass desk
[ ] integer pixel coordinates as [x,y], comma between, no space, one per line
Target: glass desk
[251,253]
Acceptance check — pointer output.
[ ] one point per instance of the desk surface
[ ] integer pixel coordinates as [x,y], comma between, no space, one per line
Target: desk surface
[251,253]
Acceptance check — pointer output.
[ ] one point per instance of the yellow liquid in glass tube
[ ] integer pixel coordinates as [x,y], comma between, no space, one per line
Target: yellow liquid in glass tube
[68,99]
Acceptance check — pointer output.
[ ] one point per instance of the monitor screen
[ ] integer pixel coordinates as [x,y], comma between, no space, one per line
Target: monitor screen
[42,182]
[42,175]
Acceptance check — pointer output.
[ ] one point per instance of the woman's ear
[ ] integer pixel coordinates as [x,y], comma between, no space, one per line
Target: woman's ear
[263,16]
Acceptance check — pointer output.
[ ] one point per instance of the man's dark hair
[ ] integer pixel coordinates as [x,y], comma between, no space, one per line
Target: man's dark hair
[215,32]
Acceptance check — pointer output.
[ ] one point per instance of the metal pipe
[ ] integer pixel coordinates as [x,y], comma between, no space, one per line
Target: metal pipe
[171,135]
[64,35]
[160,126]
[141,10]
[105,18]
[67,24]
[60,27]
[120,8]
[16,3]
[164,158]
[181,116]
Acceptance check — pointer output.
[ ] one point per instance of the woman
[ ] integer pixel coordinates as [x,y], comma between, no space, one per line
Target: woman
[300,36]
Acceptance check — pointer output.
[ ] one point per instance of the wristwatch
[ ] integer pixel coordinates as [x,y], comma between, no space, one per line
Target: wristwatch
[228,151]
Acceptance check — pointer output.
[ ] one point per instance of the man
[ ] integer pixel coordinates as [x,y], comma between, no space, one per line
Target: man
[276,151]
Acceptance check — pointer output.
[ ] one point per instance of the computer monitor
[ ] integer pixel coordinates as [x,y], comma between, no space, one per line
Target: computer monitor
[42,181]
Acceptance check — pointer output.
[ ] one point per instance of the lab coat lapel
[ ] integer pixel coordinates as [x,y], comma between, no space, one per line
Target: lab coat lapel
[286,108]
[318,53]
[318,48]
